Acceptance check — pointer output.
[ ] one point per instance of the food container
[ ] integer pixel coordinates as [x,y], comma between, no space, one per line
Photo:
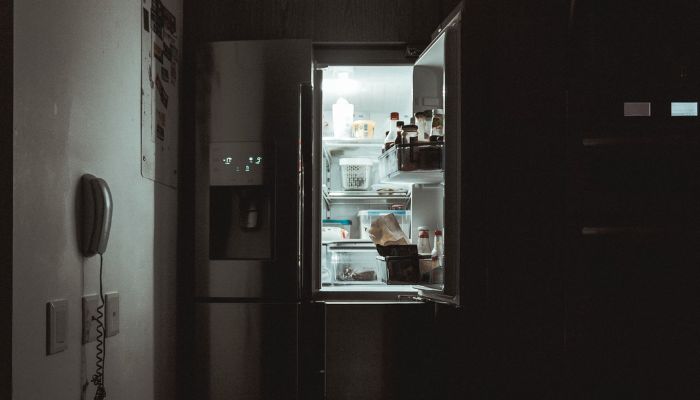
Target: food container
[333,233]
[353,263]
[400,270]
[342,118]
[326,276]
[363,129]
[355,173]
[367,216]
[335,229]
[418,156]
[397,250]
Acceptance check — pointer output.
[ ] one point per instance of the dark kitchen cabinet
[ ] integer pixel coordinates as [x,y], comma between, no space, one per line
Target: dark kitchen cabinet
[408,21]
[633,215]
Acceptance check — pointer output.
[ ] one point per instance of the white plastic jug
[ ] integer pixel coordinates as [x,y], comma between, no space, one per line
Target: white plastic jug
[342,118]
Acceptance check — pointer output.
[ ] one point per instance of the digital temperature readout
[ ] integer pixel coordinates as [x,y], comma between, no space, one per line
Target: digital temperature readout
[236,163]
[245,166]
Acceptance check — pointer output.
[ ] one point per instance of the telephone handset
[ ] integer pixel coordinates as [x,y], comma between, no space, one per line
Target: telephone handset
[97,215]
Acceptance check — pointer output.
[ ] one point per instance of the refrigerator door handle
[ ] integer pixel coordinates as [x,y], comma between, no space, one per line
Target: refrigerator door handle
[305,193]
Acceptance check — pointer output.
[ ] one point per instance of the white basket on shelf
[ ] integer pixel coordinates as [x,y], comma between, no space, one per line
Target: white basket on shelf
[356,173]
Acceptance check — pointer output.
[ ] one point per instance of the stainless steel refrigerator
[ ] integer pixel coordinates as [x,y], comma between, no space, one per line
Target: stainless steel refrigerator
[260,203]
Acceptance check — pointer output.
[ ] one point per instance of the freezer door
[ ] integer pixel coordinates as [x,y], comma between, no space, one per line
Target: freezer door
[246,351]
[247,226]
[437,84]
[259,351]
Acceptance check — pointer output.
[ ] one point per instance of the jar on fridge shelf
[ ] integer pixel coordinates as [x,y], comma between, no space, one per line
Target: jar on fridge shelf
[423,136]
[409,155]
[399,133]
[411,132]
[437,124]
[393,118]
[363,129]
[424,240]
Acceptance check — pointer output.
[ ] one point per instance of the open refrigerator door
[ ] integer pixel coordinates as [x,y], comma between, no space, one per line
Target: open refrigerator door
[389,145]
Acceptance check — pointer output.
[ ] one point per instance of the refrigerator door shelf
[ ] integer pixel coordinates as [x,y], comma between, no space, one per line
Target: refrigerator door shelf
[435,293]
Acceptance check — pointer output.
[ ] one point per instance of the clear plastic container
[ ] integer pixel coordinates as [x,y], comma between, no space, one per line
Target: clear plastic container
[335,229]
[354,263]
[363,129]
[355,173]
[367,216]
[342,118]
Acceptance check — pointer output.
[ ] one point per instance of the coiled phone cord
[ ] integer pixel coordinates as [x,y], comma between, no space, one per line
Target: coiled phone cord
[99,379]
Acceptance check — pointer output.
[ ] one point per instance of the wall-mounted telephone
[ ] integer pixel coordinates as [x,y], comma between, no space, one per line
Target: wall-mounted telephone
[97,215]
[96,222]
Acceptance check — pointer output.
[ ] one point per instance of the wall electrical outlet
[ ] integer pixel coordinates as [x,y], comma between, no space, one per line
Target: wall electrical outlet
[90,304]
[112,313]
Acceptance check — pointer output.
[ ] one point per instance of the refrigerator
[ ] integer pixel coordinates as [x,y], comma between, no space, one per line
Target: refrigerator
[271,192]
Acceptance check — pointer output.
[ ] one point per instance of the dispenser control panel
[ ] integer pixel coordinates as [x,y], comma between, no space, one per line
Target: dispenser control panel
[236,164]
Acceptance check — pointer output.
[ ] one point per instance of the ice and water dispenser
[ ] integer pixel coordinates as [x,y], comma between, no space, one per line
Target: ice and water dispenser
[240,202]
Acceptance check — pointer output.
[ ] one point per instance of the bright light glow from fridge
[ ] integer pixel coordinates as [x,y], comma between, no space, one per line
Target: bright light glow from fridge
[341,84]
[374,91]
[684,109]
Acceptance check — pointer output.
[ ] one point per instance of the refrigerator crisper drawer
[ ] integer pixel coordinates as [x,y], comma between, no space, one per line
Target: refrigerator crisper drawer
[353,263]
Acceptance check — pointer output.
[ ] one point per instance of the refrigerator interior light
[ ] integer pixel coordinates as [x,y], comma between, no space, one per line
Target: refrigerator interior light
[341,83]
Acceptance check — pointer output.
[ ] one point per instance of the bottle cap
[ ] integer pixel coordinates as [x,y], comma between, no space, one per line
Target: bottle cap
[410,128]
[394,115]
[399,123]
[438,232]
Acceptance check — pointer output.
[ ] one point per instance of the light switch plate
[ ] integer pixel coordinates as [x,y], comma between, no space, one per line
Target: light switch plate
[56,326]
[90,304]
[112,313]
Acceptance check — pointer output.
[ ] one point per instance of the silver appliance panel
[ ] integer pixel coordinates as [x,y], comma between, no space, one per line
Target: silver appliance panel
[246,351]
[248,102]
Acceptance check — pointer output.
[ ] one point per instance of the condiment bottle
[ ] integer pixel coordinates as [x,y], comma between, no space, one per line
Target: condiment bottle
[438,249]
[399,133]
[427,123]
[420,122]
[411,133]
[423,240]
[436,129]
[393,118]
[388,141]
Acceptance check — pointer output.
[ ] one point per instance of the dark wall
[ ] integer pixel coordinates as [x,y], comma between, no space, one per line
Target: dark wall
[633,277]
[6,199]
[410,21]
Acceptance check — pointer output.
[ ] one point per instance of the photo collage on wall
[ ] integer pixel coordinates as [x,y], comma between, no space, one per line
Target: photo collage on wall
[166,58]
